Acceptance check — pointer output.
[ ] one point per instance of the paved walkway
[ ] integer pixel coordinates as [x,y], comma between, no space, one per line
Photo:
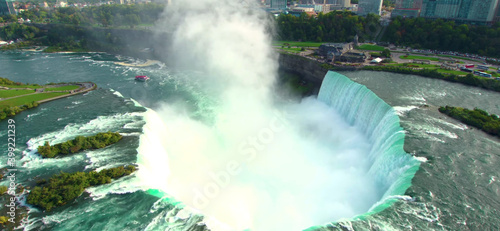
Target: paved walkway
[84,87]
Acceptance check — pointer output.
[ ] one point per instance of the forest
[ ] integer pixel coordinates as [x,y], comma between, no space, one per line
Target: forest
[478,118]
[438,34]
[339,26]
[469,79]
[80,143]
[336,26]
[418,33]
[65,187]
[116,15]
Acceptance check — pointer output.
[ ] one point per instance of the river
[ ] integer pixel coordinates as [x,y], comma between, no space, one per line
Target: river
[456,188]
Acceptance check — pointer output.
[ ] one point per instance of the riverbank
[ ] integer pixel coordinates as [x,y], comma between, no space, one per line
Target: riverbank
[314,70]
[16,97]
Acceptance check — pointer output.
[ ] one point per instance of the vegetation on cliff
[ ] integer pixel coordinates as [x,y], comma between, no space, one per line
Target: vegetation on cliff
[469,79]
[418,33]
[438,34]
[336,26]
[65,187]
[489,123]
[15,31]
[116,15]
[80,143]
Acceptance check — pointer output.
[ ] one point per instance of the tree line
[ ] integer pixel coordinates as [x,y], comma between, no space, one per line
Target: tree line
[438,34]
[418,33]
[469,79]
[105,15]
[65,187]
[336,26]
[478,118]
[80,143]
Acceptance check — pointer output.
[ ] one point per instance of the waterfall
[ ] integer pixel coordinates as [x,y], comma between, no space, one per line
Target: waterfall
[392,168]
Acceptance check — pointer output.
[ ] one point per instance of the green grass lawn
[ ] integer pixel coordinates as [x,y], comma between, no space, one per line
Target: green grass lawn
[493,73]
[28,99]
[413,65]
[294,50]
[452,72]
[297,44]
[418,57]
[12,93]
[456,57]
[22,86]
[63,88]
[370,47]
[427,66]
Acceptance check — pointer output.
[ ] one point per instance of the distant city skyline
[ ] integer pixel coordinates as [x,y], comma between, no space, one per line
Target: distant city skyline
[369,6]
[278,4]
[6,7]
[408,4]
[465,10]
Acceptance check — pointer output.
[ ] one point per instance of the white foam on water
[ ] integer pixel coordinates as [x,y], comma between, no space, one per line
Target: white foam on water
[439,131]
[492,179]
[117,93]
[124,185]
[137,104]
[421,159]
[101,124]
[415,99]
[95,158]
[403,110]
[456,125]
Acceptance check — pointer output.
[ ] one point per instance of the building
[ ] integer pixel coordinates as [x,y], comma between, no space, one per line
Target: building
[408,4]
[6,7]
[340,3]
[297,11]
[497,17]
[333,51]
[316,8]
[471,11]
[278,4]
[406,12]
[407,8]
[369,6]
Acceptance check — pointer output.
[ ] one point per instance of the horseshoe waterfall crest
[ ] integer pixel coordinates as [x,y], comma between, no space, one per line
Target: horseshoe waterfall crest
[392,169]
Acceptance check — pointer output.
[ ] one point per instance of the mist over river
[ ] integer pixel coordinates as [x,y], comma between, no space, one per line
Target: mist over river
[457,186]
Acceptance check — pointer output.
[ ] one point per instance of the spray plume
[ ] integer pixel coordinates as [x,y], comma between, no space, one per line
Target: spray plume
[259,165]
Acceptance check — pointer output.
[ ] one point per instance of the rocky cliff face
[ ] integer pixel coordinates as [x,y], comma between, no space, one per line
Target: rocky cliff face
[309,69]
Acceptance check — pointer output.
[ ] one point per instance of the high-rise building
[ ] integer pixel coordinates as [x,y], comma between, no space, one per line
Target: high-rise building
[408,4]
[476,11]
[6,7]
[278,4]
[369,6]
[497,17]
[339,3]
[407,8]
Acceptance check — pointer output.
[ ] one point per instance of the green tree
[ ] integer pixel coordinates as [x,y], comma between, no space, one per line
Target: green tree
[386,53]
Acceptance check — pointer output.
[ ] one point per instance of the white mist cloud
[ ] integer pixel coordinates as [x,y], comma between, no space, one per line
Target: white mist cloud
[258,166]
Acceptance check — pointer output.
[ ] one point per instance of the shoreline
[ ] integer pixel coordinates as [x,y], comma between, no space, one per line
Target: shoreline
[10,111]
[315,70]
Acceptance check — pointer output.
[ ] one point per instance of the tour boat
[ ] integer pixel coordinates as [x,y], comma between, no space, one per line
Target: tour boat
[142,78]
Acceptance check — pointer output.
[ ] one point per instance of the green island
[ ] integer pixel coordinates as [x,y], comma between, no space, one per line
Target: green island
[489,123]
[16,97]
[80,143]
[65,187]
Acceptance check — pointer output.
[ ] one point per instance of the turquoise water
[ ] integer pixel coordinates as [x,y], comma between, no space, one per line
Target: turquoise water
[391,168]
[456,188]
